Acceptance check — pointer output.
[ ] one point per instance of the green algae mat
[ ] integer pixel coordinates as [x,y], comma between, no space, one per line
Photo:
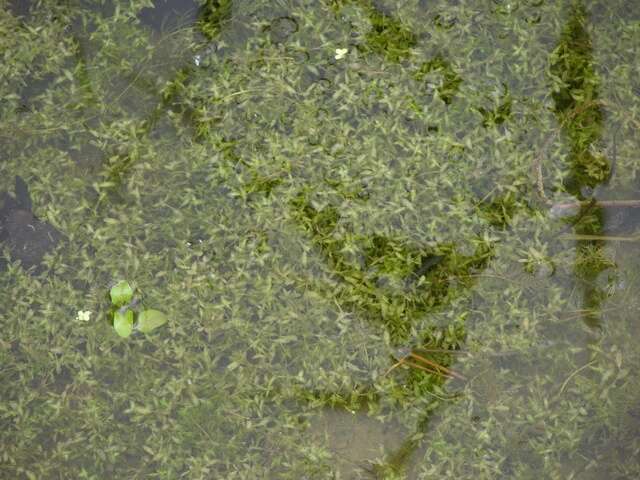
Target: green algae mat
[315,239]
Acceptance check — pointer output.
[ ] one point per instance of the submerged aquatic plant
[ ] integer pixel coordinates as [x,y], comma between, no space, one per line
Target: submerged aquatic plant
[316,221]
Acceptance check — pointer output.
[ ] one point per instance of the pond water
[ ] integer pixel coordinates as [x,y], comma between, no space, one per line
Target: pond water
[393,240]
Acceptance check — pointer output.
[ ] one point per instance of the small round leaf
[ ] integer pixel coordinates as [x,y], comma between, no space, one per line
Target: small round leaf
[123,323]
[121,293]
[149,320]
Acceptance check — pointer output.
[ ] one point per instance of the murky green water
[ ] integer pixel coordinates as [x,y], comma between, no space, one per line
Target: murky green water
[393,240]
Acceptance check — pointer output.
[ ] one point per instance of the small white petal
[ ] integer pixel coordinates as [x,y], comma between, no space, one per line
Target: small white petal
[340,53]
[83,316]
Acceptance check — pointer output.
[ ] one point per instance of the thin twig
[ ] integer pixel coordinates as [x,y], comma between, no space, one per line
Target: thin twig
[404,361]
[564,385]
[604,238]
[537,167]
[443,350]
[597,204]
[393,367]
[420,367]
[438,366]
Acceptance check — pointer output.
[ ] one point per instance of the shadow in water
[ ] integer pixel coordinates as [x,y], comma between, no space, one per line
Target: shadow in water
[27,238]
[169,14]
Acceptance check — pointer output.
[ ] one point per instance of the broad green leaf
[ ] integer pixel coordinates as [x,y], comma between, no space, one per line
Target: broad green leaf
[121,293]
[123,323]
[150,319]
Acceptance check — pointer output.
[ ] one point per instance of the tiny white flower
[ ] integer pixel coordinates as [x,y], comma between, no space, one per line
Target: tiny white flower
[83,315]
[340,53]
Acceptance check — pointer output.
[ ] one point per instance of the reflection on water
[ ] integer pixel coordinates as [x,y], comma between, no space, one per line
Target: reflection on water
[581,115]
[356,440]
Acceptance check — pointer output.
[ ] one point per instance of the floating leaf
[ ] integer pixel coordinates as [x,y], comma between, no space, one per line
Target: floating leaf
[121,293]
[149,320]
[123,322]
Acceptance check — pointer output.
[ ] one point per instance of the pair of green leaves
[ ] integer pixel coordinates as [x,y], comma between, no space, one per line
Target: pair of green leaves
[124,318]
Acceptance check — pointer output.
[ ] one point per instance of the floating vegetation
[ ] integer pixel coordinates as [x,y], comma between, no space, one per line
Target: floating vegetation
[126,318]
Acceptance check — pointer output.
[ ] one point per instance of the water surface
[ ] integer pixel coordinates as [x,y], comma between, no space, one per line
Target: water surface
[389,238]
